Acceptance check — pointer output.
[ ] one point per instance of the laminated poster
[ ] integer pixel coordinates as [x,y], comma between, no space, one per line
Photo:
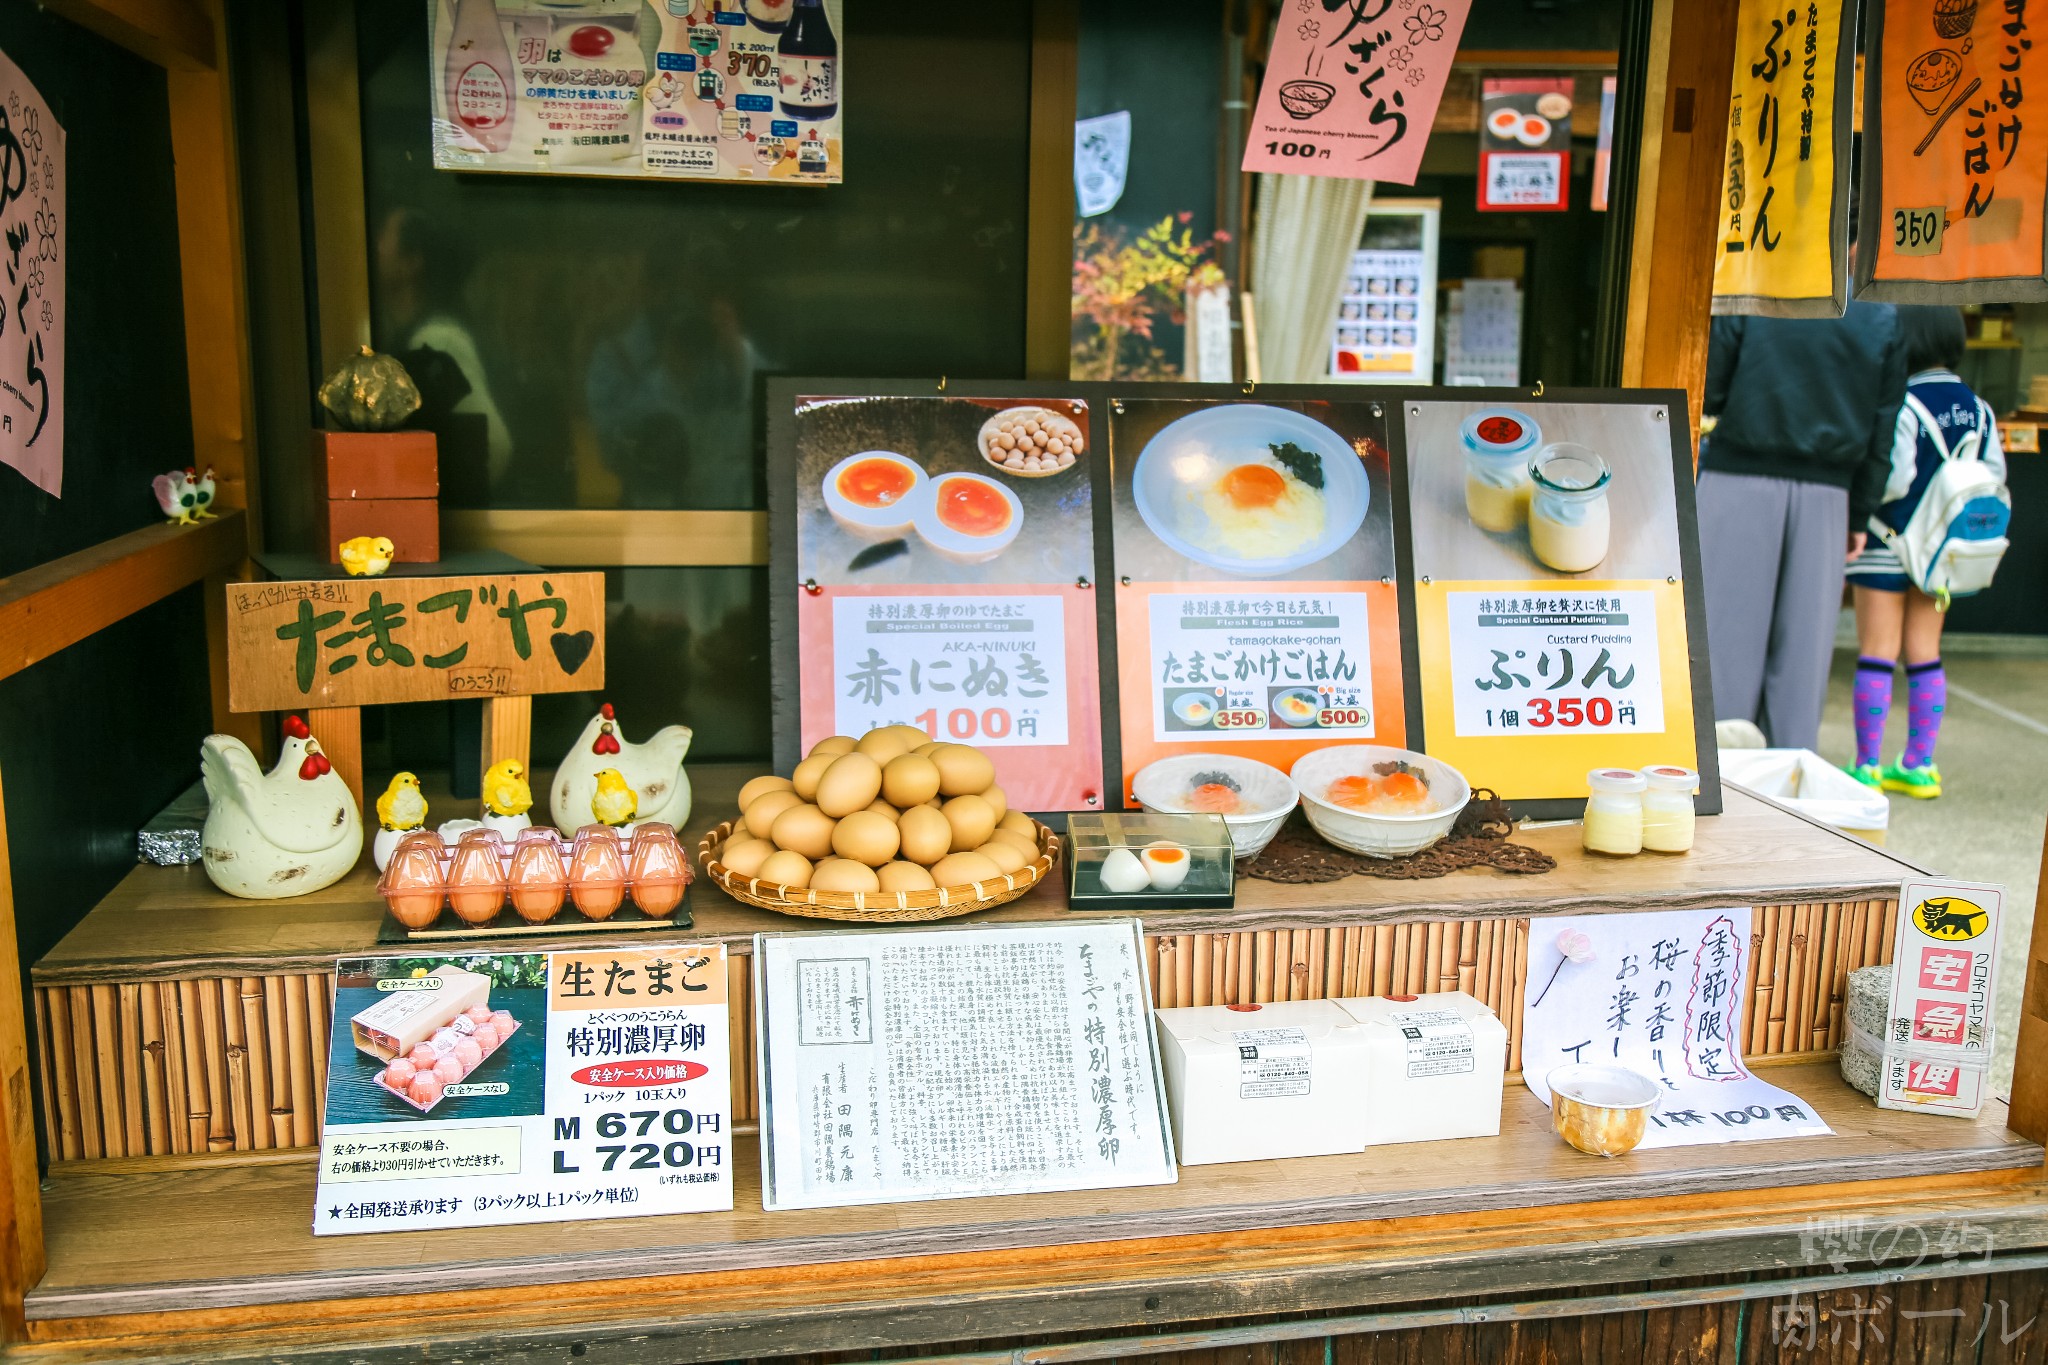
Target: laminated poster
[1525,143]
[1662,994]
[474,1090]
[1550,609]
[945,554]
[945,1064]
[1256,607]
[1954,166]
[1351,87]
[32,181]
[1386,317]
[1784,240]
[1938,1038]
[653,89]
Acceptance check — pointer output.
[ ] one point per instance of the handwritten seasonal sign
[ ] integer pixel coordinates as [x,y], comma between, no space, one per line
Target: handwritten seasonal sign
[1352,86]
[369,641]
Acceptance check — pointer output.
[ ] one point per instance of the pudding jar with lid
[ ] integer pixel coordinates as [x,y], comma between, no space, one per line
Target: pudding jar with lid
[1614,812]
[1498,442]
[1568,520]
[1668,809]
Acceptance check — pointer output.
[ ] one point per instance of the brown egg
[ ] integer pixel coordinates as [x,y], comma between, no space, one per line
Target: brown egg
[761,786]
[926,835]
[832,746]
[881,807]
[883,744]
[849,785]
[744,855]
[959,869]
[1018,821]
[925,749]
[1026,842]
[866,838]
[809,773]
[790,869]
[972,821]
[844,874]
[910,780]
[995,797]
[963,771]
[803,829]
[762,813]
[902,876]
[1005,854]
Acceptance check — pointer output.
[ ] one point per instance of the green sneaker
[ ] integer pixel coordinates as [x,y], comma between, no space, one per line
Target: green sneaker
[1869,774]
[1922,783]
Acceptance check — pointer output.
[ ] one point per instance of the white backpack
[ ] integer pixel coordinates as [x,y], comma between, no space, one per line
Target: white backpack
[1956,536]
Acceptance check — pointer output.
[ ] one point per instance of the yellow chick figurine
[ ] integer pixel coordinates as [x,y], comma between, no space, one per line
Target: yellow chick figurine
[614,804]
[366,556]
[506,797]
[400,810]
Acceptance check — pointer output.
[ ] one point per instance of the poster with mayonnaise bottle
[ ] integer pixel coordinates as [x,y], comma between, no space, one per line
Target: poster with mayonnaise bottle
[652,89]
[1556,570]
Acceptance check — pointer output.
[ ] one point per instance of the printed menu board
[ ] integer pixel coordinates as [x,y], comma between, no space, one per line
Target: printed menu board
[475,1090]
[944,1064]
[1386,318]
[1550,600]
[658,89]
[1256,608]
[1525,143]
[946,552]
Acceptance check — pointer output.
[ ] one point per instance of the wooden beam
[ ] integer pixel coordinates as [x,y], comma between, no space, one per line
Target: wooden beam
[175,34]
[1561,59]
[21,1205]
[334,141]
[1049,224]
[567,539]
[55,605]
[508,731]
[340,732]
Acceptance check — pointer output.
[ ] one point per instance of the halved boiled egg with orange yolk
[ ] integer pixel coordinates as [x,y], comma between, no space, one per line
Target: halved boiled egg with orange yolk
[1166,865]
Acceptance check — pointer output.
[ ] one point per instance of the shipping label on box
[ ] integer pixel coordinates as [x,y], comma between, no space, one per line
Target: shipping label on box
[1938,1033]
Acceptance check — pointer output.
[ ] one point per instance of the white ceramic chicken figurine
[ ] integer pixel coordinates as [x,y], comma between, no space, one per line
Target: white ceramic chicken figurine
[202,494]
[653,770]
[177,496]
[284,833]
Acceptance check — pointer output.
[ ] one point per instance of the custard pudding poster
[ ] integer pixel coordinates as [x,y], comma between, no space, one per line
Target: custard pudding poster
[1256,607]
[946,554]
[1550,601]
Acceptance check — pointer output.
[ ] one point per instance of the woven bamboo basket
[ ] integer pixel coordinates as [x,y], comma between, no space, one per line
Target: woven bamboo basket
[879,907]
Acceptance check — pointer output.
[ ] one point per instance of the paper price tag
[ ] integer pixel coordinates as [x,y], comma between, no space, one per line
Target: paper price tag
[989,671]
[1246,667]
[1555,663]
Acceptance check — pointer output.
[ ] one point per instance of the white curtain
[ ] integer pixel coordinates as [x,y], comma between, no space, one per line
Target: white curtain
[1301,251]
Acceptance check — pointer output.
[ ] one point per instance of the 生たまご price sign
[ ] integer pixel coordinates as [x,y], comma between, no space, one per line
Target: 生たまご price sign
[1938,1036]
[471,1090]
[1227,669]
[364,641]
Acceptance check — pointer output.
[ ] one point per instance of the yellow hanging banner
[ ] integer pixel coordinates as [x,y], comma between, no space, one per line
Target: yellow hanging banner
[1783,247]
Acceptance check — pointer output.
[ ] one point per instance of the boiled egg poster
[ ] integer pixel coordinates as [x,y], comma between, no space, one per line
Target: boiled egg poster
[1254,551]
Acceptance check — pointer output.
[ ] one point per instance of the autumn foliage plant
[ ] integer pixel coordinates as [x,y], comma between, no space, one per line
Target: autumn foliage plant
[1124,286]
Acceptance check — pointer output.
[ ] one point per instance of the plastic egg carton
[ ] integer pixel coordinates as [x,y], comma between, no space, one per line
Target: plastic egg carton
[538,873]
[444,1052]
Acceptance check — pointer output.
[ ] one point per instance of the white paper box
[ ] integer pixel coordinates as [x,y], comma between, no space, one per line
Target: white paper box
[1434,1065]
[1252,1083]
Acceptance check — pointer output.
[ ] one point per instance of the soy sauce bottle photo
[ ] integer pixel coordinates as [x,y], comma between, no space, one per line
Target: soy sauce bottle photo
[807,62]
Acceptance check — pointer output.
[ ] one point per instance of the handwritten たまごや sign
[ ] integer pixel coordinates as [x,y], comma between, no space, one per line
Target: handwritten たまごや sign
[370,641]
[1352,86]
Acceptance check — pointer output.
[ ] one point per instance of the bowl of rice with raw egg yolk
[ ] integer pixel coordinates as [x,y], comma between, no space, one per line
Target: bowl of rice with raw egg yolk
[1379,801]
[1253,798]
[1250,489]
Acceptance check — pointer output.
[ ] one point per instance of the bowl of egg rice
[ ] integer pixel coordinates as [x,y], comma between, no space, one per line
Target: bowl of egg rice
[1253,798]
[1251,489]
[1379,801]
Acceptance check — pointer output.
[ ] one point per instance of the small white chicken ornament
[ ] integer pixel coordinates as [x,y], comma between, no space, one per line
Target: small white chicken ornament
[287,832]
[653,770]
[185,497]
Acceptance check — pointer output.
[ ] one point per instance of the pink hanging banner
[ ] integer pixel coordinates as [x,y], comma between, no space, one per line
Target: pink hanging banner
[32,184]
[1352,86]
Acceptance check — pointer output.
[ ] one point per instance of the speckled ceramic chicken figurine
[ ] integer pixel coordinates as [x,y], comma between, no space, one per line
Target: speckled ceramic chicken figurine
[287,832]
[654,770]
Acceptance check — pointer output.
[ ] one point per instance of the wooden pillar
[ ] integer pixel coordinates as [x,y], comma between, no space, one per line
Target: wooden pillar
[21,1206]
[1049,224]
[2029,1116]
[508,731]
[340,732]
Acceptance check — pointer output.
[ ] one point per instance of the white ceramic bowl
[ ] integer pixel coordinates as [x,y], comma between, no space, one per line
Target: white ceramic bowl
[892,519]
[1377,836]
[958,545]
[1190,453]
[1269,795]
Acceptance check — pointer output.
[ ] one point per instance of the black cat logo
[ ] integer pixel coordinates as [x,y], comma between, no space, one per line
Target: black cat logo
[1952,918]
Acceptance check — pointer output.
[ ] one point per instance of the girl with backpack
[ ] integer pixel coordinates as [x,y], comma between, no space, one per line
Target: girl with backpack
[1938,534]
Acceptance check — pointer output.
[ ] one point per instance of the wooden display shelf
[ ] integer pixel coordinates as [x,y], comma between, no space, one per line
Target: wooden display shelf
[123,1243]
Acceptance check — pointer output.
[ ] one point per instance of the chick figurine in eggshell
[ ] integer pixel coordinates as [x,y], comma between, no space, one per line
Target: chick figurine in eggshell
[400,810]
[366,556]
[614,803]
[507,797]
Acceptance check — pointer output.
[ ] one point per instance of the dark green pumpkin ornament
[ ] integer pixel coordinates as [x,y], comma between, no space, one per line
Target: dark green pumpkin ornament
[370,392]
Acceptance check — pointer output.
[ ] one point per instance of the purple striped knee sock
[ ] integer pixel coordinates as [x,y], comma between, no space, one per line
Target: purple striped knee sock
[1926,699]
[1873,705]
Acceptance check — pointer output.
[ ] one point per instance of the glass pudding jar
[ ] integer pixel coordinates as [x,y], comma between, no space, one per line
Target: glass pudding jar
[1614,812]
[1568,523]
[1667,808]
[1497,443]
